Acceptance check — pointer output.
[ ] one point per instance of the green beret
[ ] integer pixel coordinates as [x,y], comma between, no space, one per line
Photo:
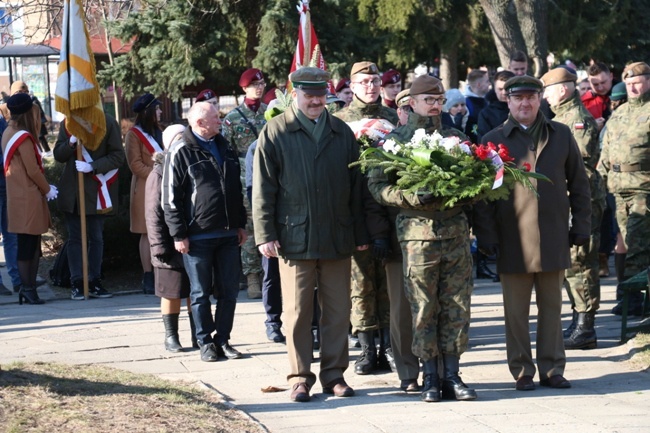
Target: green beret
[403,97]
[523,84]
[557,76]
[312,81]
[636,69]
[364,68]
[427,85]
[618,92]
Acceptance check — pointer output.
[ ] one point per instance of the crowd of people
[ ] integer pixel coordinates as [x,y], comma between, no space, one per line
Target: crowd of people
[340,257]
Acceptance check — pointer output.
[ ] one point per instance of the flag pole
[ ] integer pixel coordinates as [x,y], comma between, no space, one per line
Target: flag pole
[82,219]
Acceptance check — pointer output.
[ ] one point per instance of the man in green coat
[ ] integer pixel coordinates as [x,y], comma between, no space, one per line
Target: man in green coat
[582,280]
[307,210]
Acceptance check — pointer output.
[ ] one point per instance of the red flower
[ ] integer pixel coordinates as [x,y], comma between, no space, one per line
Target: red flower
[527,166]
[504,154]
[481,152]
[491,146]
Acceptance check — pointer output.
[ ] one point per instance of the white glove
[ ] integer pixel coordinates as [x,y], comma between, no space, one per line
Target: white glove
[83,166]
[52,193]
[73,139]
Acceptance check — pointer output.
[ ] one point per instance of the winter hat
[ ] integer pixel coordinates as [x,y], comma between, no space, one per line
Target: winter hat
[453,97]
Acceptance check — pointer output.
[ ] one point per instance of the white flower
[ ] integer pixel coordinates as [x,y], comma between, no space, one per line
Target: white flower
[449,143]
[391,146]
[465,148]
[419,136]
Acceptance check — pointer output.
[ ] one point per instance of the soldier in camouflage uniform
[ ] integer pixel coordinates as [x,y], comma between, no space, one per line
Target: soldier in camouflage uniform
[625,163]
[437,261]
[241,127]
[370,303]
[582,280]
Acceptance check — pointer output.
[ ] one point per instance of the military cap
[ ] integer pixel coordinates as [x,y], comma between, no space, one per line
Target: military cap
[312,81]
[427,85]
[557,76]
[635,69]
[331,99]
[206,94]
[145,101]
[19,103]
[249,76]
[18,86]
[342,84]
[364,68]
[619,92]
[391,76]
[523,84]
[403,97]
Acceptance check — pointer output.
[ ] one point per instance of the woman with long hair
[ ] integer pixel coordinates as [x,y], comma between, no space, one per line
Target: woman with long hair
[141,143]
[27,191]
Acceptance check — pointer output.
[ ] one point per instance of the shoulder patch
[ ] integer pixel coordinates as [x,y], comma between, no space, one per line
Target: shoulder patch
[579,125]
[227,121]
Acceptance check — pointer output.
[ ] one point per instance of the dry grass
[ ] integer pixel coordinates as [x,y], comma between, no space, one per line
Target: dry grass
[641,351]
[49,397]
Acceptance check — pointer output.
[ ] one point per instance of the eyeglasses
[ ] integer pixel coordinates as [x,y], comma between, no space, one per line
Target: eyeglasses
[430,100]
[257,84]
[367,83]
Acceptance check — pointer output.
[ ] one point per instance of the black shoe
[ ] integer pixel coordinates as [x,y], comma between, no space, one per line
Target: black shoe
[95,290]
[29,295]
[77,294]
[430,389]
[367,361]
[635,309]
[453,388]
[209,353]
[274,334]
[228,351]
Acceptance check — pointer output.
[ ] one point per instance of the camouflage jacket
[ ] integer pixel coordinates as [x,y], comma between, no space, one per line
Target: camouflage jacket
[358,110]
[625,159]
[584,129]
[238,131]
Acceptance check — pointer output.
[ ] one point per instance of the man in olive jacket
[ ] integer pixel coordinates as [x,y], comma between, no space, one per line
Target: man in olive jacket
[307,209]
[531,234]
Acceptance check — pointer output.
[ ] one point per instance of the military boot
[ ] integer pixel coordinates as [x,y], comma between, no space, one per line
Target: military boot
[584,335]
[453,388]
[482,269]
[385,357]
[431,382]
[574,320]
[603,265]
[172,344]
[367,362]
[254,286]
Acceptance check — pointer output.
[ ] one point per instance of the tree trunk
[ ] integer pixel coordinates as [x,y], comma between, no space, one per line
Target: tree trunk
[449,67]
[533,22]
[502,16]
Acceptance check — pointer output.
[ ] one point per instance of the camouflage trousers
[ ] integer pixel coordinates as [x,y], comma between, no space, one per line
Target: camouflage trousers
[369,293]
[633,217]
[438,285]
[581,279]
[251,260]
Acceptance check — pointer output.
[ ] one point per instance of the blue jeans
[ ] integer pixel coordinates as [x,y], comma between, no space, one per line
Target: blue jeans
[9,240]
[272,291]
[219,259]
[95,238]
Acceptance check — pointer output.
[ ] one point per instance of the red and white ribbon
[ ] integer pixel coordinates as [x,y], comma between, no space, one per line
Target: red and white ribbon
[149,142]
[104,181]
[18,138]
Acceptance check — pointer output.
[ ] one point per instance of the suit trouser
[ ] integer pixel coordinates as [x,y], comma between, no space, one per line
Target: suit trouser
[401,323]
[517,292]
[298,280]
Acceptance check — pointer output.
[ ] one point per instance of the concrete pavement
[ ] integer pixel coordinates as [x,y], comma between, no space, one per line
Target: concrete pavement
[126,332]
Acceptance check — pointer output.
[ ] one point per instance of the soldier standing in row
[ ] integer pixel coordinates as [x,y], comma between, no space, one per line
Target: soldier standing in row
[437,260]
[241,127]
[625,163]
[370,303]
[582,280]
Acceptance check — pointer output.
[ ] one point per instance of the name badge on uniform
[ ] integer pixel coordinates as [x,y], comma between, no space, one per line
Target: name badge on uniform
[579,126]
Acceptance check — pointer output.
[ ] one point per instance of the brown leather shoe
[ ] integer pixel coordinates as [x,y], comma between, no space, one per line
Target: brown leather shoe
[409,385]
[556,381]
[525,383]
[300,392]
[339,388]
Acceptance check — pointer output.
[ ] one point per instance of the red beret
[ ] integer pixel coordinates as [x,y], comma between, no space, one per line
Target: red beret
[391,76]
[204,95]
[342,84]
[269,96]
[249,76]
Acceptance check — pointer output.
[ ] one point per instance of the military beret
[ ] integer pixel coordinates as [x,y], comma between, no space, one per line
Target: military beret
[523,84]
[427,85]
[391,76]
[204,95]
[619,92]
[20,103]
[636,69]
[269,96]
[18,86]
[342,84]
[310,80]
[403,97]
[557,76]
[364,68]
[249,76]
[145,101]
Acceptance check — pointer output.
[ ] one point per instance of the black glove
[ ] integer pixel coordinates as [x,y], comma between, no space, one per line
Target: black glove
[489,249]
[381,249]
[426,198]
[578,240]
